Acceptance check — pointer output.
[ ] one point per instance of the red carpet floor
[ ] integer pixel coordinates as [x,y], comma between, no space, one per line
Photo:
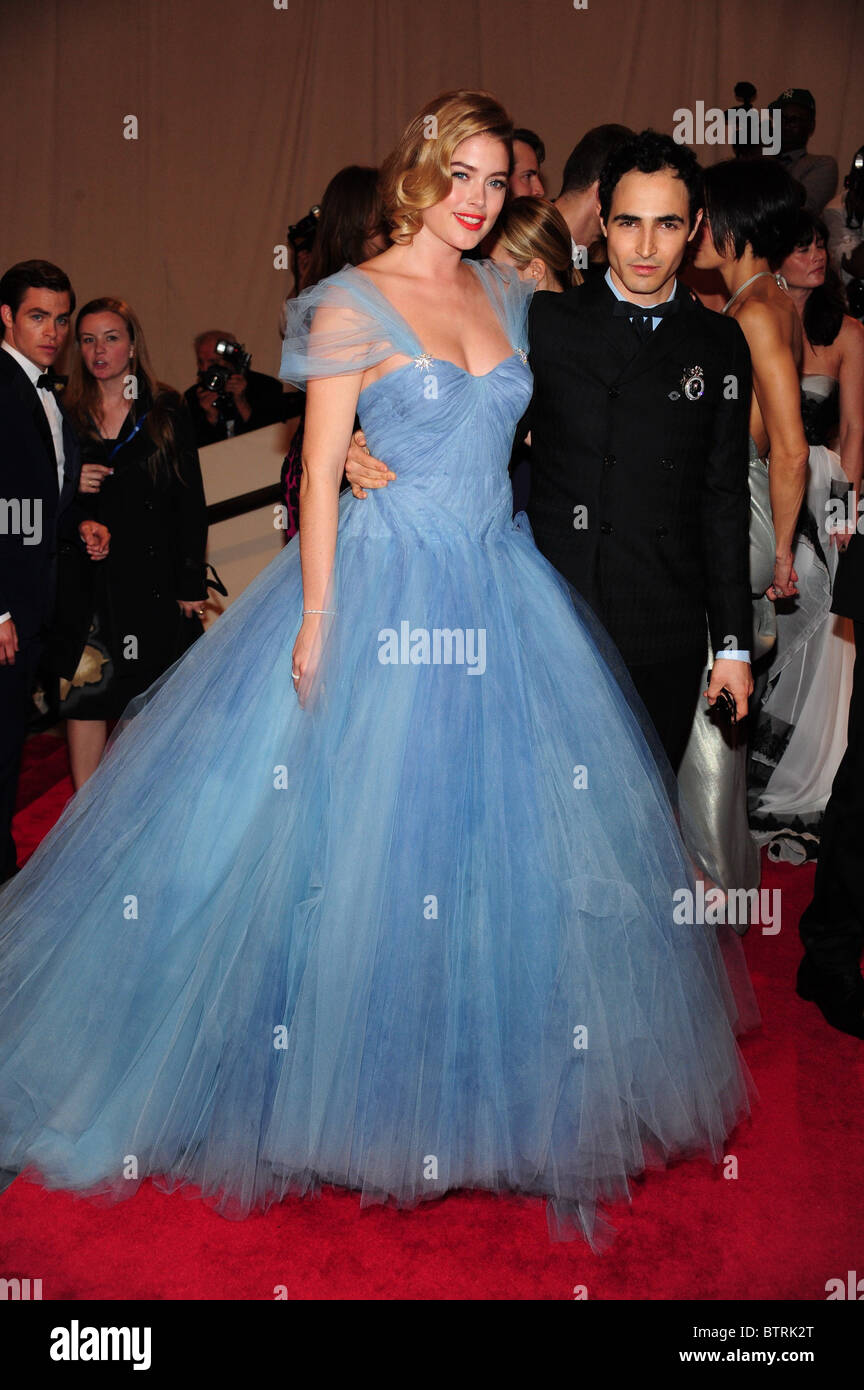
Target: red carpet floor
[791,1220]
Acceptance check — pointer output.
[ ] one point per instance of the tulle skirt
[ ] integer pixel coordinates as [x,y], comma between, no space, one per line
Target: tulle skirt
[420,933]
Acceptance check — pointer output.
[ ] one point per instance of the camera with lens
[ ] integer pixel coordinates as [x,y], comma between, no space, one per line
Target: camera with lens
[236,359]
[302,234]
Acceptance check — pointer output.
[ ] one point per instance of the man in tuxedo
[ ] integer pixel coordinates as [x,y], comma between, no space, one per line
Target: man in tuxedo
[832,927]
[639,425]
[39,471]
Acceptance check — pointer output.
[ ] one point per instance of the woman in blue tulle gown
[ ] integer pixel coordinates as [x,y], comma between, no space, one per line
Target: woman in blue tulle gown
[399,910]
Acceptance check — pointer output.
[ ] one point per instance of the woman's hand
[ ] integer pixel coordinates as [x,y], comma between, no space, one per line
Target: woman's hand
[785,583]
[192,608]
[304,657]
[92,475]
[8,642]
[96,537]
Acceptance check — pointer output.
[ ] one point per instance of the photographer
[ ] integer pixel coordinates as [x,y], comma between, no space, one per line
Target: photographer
[228,398]
[844,217]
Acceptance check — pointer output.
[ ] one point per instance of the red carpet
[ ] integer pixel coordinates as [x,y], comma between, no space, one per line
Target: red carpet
[790,1221]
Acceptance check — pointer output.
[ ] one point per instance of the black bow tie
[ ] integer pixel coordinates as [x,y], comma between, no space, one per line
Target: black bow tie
[51,381]
[623,309]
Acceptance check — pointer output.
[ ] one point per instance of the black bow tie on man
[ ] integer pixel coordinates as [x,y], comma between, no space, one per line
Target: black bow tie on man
[640,315]
[51,381]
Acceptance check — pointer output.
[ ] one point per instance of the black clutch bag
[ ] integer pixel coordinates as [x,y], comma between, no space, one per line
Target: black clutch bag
[725,707]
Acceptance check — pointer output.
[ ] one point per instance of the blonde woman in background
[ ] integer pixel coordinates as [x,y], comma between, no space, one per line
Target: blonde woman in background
[532,236]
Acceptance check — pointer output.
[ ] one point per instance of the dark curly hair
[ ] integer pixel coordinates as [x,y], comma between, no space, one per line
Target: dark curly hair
[649,152]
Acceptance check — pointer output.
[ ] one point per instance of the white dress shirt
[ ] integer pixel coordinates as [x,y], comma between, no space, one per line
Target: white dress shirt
[718,656]
[52,414]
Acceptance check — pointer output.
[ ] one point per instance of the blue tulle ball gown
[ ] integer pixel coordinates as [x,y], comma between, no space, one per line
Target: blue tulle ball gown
[414,934]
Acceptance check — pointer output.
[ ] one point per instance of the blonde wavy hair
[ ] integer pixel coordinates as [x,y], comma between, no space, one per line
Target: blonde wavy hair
[416,175]
[530,227]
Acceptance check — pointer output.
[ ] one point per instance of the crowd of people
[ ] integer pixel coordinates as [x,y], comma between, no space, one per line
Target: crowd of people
[672,359]
[788,741]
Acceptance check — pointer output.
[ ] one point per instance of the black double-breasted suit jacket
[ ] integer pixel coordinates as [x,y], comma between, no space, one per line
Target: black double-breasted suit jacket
[639,483]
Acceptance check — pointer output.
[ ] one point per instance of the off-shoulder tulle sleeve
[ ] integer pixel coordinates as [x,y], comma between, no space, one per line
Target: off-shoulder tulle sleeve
[341,325]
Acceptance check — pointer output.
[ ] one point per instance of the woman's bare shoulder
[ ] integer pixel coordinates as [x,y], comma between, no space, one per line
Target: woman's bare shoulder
[770,316]
[851,335]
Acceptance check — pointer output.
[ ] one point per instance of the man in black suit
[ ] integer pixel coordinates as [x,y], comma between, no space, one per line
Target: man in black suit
[832,927]
[39,471]
[639,427]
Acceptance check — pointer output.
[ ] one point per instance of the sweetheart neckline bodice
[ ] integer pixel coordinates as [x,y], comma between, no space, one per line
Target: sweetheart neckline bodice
[423,354]
[417,362]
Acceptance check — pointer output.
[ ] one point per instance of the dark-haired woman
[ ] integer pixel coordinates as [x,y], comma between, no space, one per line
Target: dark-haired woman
[350,229]
[800,736]
[143,607]
[751,212]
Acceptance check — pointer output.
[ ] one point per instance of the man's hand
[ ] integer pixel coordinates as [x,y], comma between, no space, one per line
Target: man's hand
[207,401]
[92,475]
[785,582]
[362,470]
[96,537]
[236,388]
[192,608]
[840,533]
[8,643]
[738,680]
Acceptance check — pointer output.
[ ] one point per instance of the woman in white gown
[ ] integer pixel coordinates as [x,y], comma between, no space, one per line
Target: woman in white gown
[800,732]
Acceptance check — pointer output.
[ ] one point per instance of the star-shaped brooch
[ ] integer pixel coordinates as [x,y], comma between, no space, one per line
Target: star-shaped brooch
[423,362]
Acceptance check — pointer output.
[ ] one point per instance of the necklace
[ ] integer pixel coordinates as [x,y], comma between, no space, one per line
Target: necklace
[777,277]
[101,425]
